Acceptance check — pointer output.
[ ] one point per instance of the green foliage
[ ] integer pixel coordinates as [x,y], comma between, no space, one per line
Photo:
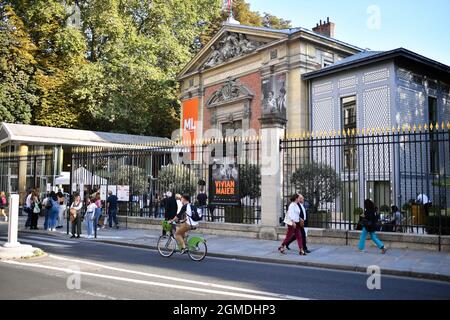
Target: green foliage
[385,208]
[114,72]
[177,178]
[133,176]
[17,66]
[250,181]
[432,225]
[318,183]
[358,211]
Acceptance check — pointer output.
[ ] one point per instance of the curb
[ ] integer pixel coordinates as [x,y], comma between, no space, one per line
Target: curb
[330,266]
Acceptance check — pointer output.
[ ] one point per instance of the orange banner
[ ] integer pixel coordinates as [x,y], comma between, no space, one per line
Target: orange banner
[190,121]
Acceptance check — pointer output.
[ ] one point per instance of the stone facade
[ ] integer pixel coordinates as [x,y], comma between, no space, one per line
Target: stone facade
[246,70]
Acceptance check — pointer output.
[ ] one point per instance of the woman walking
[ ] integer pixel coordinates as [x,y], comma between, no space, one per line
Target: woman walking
[36,209]
[369,222]
[75,216]
[89,217]
[293,222]
[3,203]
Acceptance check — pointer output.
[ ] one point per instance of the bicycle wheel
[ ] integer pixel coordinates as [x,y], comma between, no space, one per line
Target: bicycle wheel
[198,252]
[166,246]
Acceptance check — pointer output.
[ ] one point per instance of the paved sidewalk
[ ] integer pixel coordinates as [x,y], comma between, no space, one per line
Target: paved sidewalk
[411,263]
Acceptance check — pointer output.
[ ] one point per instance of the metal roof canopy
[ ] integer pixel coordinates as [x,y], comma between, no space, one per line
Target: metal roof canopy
[23,133]
[368,57]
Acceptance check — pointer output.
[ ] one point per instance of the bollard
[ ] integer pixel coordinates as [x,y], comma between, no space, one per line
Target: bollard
[13,222]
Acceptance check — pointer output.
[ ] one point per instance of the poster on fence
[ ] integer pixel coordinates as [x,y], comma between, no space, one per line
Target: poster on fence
[113,189]
[123,193]
[103,192]
[224,182]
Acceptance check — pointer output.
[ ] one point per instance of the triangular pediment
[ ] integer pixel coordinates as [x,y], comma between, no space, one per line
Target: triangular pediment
[230,43]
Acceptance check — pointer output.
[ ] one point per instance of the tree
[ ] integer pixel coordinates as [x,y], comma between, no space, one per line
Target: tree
[18,94]
[177,178]
[59,53]
[249,181]
[318,183]
[135,50]
[133,176]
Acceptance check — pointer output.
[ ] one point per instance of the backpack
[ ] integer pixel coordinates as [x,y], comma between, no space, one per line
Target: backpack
[195,215]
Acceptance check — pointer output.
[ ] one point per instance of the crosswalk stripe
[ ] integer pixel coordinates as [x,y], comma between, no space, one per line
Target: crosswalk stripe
[48,244]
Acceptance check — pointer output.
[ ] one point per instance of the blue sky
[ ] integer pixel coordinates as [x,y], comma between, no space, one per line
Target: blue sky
[422,26]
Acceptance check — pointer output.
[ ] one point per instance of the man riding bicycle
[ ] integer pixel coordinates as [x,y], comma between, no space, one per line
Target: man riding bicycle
[184,217]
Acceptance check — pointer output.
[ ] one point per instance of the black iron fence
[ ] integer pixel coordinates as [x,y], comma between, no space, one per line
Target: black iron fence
[405,167]
[142,175]
[21,172]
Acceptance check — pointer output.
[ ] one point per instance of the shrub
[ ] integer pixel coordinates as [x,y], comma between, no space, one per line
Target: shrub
[432,225]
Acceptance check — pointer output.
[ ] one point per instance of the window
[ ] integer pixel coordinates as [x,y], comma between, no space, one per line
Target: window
[434,144]
[349,123]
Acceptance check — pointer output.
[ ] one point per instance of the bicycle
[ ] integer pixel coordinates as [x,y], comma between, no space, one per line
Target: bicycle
[167,244]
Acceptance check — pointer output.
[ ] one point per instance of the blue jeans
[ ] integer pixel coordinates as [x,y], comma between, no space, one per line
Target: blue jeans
[90,227]
[373,236]
[47,219]
[113,216]
[53,218]
[98,214]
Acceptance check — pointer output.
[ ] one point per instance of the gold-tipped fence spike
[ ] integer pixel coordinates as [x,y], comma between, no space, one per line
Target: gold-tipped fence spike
[448,125]
[443,125]
[414,128]
[420,127]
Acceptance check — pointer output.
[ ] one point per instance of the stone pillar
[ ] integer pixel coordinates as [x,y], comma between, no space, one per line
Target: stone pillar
[23,161]
[272,130]
[13,221]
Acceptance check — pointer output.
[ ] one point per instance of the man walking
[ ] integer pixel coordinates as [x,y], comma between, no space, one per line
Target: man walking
[171,208]
[111,205]
[303,217]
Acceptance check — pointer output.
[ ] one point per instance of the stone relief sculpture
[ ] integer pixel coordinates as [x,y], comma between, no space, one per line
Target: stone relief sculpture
[229,91]
[231,46]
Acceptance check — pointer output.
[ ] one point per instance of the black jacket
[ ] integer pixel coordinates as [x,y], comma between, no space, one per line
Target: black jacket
[371,220]
[171,207]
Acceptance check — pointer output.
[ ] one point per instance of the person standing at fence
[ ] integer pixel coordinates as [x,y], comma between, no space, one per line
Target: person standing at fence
[3,205]
[111,205]
[202,199]
[292,220]
[171,208]
[397,218]
[54,211]
[369,223]
[36,210]
[89,217]
[62,209]
[98,211]
[76,218]
[425,202]
[27,208]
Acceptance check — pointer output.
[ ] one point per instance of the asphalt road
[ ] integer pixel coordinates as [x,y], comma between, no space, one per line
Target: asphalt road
[118,272]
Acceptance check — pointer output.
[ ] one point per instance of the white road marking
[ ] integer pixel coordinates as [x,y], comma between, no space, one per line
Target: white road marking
[49,244]
[206,284]
[150,283]
[44,238]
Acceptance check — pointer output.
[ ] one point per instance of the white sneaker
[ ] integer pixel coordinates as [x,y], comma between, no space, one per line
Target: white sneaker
[53,229]
[6,219]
